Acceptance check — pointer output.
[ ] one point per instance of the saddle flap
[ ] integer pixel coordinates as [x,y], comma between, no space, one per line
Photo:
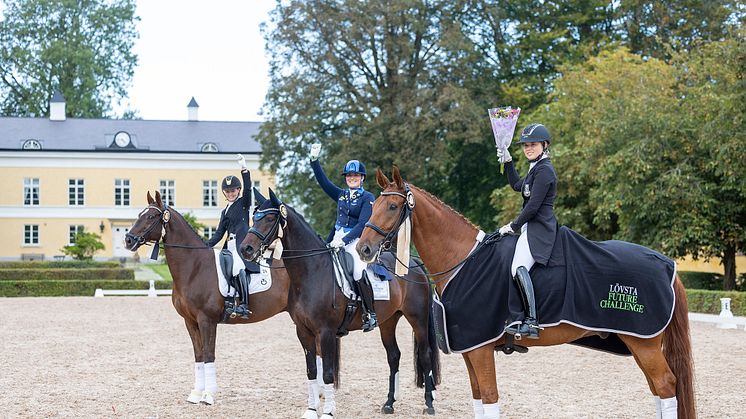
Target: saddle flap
[347,264]
[226,263]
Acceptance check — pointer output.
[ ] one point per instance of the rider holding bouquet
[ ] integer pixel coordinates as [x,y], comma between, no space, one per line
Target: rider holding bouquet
[536,224]
[354,206]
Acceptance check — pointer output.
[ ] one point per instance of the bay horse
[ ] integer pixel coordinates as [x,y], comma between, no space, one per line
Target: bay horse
[317,306]
[665,360]
[196,296]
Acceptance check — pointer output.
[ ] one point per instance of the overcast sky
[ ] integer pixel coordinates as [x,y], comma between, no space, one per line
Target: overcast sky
[210,50]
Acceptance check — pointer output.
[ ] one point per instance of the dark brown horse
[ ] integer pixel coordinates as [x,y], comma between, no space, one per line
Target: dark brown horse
[196,295]
[317,305]
[665,359]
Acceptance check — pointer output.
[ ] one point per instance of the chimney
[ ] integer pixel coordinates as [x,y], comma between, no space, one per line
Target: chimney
[57,107]
[192,109]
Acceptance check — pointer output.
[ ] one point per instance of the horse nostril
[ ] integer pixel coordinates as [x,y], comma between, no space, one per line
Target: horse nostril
[365,250]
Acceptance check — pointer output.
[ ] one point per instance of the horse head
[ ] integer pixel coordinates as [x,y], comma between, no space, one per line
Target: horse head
[389,212]
[270,217]
[149,224]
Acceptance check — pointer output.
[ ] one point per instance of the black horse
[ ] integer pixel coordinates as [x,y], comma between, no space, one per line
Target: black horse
[317,305]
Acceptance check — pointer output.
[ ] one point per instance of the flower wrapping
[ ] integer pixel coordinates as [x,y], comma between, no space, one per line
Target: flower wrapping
[503,121]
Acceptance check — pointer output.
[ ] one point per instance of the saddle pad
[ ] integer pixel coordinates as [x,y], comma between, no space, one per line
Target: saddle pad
[259,282]
[611,286]
[381,290]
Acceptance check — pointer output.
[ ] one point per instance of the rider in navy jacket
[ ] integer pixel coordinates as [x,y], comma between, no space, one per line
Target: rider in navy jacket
[354,207]
[536,223]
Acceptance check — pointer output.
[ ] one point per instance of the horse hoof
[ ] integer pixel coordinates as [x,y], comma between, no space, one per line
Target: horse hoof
[195,396]
[428,411]
[387,409]
[207,398]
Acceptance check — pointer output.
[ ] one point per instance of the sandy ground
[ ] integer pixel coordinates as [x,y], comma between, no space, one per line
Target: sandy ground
[131,357]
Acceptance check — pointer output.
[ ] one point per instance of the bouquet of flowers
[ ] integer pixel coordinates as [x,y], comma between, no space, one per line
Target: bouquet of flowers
[503,121]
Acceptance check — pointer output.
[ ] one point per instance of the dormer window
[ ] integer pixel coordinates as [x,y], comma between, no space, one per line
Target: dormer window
[209,148]
[31,145]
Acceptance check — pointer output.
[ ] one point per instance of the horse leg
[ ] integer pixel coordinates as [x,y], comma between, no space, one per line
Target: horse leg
[329,344]
[208,329]
[308,341]
[661,380]
[199,364]
[425,357]
[476,396]
[393,355]
[481,366]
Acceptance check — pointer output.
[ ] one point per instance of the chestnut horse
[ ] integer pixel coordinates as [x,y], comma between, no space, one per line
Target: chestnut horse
[196,295]
[317,305]
[665,359]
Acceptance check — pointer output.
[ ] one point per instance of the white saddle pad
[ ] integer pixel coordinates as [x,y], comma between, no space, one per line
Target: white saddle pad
[381,290]
[259,282]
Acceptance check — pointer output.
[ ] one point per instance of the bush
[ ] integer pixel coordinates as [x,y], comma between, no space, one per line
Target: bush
[66,274]
[86,288]
[707,301]
[709,280]
[72,264]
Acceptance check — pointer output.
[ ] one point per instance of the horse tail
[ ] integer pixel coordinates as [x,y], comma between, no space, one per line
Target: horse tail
[677,348]
[420,374]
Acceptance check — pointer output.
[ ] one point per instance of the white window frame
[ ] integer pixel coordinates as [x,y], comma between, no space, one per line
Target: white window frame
[258,185]
[210,193]
[76,192]
[31,234]
[31,187]
[122,188]
[73,230]
[168,192]
[208,232]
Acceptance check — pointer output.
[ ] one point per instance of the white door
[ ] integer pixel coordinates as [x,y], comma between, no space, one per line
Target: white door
[118,242]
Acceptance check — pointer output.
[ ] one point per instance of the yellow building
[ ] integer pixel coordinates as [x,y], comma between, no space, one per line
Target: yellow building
[60,175]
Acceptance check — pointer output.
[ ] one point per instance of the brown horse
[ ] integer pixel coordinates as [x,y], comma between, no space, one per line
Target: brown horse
[317,305]
[196,295]
[665,359]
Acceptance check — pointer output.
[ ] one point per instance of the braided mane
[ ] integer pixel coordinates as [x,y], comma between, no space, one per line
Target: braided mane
[436,199]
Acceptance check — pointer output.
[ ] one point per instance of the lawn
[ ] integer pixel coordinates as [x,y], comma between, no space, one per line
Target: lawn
[161,269]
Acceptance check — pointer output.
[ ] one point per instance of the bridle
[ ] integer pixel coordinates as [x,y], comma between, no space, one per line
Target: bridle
[275,232]
[406,211]
[163,219]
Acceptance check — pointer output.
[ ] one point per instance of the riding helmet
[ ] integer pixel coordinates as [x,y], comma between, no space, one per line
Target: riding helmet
[231,182]
[535,133]
[354,166]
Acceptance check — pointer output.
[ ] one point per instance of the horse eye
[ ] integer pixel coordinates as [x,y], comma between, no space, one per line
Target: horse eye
[392,207]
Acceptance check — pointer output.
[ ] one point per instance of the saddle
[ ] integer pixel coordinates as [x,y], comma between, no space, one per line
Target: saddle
[226,264]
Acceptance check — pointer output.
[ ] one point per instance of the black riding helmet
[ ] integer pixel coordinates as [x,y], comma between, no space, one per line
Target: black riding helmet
[535,133]
[231,182]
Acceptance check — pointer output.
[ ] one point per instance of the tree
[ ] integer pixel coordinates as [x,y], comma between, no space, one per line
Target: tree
[85,246]
[83,48]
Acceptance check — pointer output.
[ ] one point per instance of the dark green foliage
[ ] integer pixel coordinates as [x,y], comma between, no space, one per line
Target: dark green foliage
[85,246]
[706,301]
[709,281]
[71,288]
[66,274]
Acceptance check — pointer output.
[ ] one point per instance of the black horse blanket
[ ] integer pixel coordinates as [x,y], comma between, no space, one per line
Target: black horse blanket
[611,286]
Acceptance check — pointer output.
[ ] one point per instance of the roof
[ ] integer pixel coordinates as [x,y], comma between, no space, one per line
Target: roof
[77,134]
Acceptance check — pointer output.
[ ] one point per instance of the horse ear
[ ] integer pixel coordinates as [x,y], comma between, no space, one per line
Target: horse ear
[158,201]
[258,196]
[382,180]
[273,198]
[397,177]
[150,199]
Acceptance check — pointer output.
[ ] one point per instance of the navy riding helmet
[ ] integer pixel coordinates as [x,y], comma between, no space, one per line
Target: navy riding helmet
[354,166]
[231,182]
[535,133]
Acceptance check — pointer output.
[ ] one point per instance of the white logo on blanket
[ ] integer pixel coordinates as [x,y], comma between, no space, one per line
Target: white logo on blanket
[261,281]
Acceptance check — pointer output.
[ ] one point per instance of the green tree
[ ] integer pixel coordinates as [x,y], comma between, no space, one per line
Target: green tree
[85,246]
[83,48]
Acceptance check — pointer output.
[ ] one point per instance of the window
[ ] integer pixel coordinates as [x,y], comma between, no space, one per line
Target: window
[168,194]
[122,192]
[30,191]
[31,234]
[209,193]
[76,192]
[75,229]
[31,145]
[209,148]
[208,232]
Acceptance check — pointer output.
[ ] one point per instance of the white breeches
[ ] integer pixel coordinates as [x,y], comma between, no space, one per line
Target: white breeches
[357,271]
[522,255]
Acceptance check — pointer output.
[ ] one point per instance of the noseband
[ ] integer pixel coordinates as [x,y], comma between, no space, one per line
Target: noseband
[406,211]
[275,232]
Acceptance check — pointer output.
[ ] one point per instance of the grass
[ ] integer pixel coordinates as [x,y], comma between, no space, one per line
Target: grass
[161,269]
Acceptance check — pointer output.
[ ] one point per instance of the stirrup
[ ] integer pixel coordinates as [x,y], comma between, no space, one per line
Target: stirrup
[528,328]
[370,323]
[241,310]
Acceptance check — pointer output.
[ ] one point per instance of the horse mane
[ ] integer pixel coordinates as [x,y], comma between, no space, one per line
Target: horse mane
[438,200]
[181,217]
[304,223]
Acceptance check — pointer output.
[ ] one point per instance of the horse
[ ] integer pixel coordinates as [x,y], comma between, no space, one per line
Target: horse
[665,360]
[196,295]
[317,306]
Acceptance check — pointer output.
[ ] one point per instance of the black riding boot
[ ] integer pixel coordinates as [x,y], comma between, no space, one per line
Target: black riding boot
[530,326]
[242,309]
[366,293]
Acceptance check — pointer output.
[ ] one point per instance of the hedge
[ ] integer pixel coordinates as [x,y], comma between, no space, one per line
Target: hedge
[66,274]
[72,264]
[707,301]
[71,288]
[709,280]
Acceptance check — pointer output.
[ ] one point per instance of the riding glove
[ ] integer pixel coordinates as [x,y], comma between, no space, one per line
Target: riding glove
[503,155]
[505,230]
[315,151]
[337,243]
[242,162]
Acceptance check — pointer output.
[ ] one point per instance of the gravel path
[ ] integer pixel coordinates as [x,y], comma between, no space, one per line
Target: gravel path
[131,357]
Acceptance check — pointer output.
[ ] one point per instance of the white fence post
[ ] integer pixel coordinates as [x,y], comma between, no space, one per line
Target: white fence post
[725,321]
[152,293]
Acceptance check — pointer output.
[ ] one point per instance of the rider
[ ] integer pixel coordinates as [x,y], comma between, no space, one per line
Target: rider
[354,206]
[536,223]
[234,219]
